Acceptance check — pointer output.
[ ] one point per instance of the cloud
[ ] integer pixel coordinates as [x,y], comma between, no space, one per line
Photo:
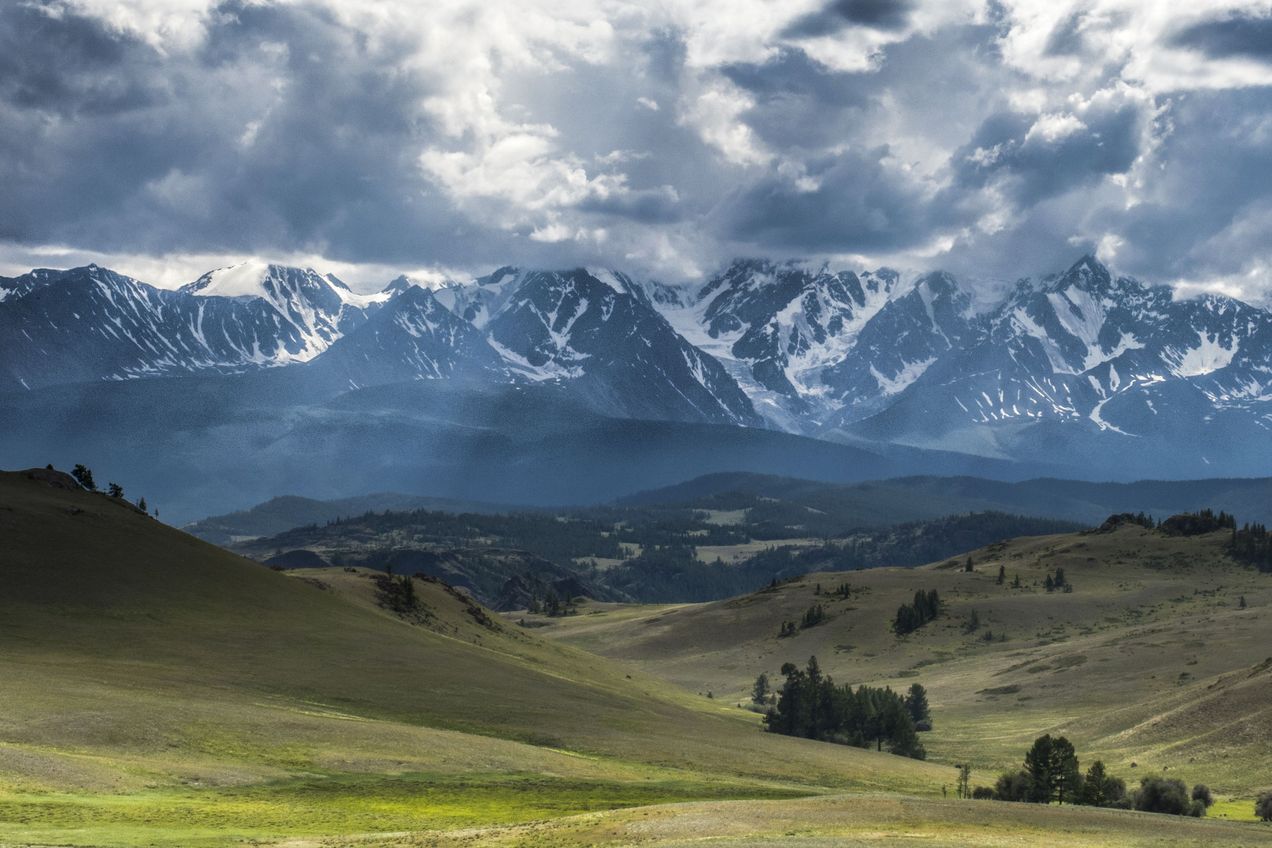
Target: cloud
[996,138]
[1236,35]
[839,14]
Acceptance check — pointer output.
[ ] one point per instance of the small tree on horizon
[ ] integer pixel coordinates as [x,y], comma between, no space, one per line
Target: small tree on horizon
[115,490]
[84,476]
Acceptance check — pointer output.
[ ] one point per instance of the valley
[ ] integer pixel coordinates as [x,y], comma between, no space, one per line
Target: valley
[162,691]
[1156,660]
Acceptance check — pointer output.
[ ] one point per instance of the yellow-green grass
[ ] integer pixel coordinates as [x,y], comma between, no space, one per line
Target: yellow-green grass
[1148,663]
[858,820]
[158,690]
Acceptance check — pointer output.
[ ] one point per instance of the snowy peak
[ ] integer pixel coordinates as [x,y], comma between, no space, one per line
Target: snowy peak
[1088,274]
[414,337]
[319,308]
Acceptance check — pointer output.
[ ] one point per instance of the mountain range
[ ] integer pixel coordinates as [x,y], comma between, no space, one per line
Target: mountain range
[1092,374]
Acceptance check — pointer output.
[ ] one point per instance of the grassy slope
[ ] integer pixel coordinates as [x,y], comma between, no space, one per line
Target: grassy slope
[1148,661]
[159,690]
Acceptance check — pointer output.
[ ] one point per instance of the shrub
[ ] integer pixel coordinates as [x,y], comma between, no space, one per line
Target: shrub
[1013,786]
[983,793]
[1163,795]
[1263,806]
[1201,792]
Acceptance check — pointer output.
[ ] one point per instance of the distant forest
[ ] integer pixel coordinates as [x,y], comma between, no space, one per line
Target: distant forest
[647,554]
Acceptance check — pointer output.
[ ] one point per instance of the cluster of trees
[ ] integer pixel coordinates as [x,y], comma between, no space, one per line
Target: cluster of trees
[843,591]
[84,476]
[1143,519]
[1197,523]
[813,616]
[1051,774]
[1057,582]
[397,593]
[1252,544]
[552,606]
[910,617]
[810,705]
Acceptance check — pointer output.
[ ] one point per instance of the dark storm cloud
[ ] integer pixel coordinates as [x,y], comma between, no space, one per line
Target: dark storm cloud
[655,205]
[1238,35]
[801,103]
[65,65]
[283,131]
[1036,157]
[859,203]
[839,14]
[1205,210]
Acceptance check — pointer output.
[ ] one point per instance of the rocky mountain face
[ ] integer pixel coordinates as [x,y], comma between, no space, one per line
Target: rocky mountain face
[1081,366]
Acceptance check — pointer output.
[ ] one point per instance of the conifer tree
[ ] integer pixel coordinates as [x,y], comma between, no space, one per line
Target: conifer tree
[84,476]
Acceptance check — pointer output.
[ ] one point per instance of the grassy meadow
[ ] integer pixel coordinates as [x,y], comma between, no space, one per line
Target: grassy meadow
[156,690]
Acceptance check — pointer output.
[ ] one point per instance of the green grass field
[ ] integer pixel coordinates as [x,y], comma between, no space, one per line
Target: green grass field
[155,690]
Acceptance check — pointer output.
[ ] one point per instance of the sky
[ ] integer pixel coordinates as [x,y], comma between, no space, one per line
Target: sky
[993,139]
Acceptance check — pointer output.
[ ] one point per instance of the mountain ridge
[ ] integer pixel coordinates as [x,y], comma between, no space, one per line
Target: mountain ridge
[1080,367]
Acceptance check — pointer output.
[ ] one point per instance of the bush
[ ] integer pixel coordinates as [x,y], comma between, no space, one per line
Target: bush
[1201,792]
[1263,806]
[1013,786]
[1163,795]
[983,793]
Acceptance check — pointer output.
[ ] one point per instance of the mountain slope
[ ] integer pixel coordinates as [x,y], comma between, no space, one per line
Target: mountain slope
[91,323]
[413,337]
[1102,368]
[610,345]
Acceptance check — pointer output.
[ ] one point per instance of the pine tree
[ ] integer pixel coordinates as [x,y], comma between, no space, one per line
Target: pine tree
[968,566]
[84,476]
[1002,574]
[115,490]
[760,691]
[141,504]
[916,702]
[1052,765]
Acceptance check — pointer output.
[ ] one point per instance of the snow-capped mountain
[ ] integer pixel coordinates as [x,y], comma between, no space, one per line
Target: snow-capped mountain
[806,343]
[1083,362]
[598,330]
[413,337]
[1108,357]
[91,323]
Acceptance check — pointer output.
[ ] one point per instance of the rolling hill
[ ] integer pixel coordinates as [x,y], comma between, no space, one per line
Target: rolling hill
[160,691]
[1156,661]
